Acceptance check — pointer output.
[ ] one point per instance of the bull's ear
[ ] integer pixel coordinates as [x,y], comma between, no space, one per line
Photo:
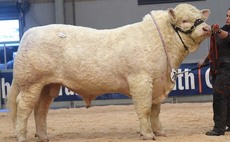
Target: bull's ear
[172,14]
[205,13]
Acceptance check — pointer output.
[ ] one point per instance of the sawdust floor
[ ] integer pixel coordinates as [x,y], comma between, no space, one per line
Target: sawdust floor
[183,122]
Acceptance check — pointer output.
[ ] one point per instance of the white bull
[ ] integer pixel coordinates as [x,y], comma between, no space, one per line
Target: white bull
[135,60]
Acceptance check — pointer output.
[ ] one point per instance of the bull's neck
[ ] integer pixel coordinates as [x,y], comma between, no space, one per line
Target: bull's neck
[176,56]
[176,51]
[174,48]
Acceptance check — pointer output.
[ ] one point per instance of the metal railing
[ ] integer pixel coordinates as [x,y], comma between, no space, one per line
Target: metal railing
[5,45]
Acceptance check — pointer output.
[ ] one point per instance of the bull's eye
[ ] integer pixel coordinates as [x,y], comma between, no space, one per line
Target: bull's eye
[184,21]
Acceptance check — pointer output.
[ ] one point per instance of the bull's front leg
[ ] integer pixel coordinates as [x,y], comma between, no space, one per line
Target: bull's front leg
[155,120]
[141,91]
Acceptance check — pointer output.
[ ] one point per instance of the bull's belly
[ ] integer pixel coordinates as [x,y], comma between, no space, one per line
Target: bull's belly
[97,87]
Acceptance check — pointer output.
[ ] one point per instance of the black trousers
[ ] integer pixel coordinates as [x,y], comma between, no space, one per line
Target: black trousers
[221,109]
[221,103]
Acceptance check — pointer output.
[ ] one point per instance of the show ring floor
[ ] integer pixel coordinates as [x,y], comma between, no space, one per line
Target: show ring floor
[182,122]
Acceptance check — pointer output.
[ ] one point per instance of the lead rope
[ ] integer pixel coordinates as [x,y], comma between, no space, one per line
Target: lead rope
[199,70]
[174,73]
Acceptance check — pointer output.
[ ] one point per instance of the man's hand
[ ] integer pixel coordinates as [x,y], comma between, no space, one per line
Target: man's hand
[215,28]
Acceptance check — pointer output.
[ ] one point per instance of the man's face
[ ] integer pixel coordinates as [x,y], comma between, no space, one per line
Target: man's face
[228,18]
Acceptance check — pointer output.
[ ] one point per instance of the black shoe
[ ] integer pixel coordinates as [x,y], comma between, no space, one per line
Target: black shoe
[213,133]
[228,129]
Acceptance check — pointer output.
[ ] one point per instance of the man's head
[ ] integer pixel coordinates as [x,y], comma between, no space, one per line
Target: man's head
[228,17]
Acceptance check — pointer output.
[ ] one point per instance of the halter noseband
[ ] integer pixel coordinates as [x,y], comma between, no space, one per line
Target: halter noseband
[177,29]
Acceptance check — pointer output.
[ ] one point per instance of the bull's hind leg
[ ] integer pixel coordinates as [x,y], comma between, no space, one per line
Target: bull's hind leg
[42,108]
[25,104]
[155,121]
[141,91]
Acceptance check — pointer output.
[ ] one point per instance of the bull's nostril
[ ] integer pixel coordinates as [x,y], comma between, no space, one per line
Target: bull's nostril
[205,29]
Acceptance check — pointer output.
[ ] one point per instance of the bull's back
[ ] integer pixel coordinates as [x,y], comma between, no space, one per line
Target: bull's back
[68,54]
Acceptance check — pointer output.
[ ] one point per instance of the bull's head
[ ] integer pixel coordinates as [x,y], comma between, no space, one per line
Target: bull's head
[189,23]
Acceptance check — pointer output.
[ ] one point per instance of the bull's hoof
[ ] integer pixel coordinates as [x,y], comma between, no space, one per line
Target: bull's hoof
[41,140]
[148,137]
[44,140]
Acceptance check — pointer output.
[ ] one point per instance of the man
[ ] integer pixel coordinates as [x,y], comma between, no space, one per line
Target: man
[219,58]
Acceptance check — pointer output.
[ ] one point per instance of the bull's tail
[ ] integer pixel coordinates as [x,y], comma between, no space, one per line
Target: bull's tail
[11,100]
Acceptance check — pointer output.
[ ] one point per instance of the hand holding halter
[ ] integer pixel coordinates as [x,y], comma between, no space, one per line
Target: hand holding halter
[216,28]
